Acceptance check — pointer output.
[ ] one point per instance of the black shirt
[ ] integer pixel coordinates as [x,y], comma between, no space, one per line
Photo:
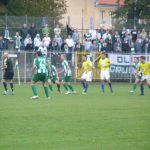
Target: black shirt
[7,65]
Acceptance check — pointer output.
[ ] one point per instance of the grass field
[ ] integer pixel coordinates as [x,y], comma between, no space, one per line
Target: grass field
[96,121]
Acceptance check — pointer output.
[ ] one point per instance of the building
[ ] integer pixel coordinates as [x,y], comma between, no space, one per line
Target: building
[86,14]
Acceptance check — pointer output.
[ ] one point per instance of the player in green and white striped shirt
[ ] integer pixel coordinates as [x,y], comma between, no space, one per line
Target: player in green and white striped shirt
[39,73]
[137,78]
[67,75]
[53,77]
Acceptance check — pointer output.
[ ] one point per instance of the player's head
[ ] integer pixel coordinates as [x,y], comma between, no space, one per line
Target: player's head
[136,60]
[142,59]
[49,61]
[62,57]
[6,54]
[103,55]
[38,53]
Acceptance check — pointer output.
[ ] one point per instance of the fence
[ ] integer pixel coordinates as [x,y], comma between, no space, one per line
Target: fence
[120,70]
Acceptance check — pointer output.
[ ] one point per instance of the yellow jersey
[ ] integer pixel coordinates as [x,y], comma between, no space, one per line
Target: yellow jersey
[87,66]
[104,64]
[144,68]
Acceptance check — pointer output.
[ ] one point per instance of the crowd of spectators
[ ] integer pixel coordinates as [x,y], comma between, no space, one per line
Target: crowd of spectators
[125,41]
[30,39]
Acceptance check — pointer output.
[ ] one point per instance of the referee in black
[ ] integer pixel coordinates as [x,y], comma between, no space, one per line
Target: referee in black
[8,73]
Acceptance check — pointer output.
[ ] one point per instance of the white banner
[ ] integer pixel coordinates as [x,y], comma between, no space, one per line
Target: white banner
[125,60]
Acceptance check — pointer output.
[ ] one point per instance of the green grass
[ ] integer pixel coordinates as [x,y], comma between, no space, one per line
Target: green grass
[96,121]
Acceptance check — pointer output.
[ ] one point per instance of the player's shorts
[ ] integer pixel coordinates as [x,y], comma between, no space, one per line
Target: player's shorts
[139,78]
[87,76]
[40,77]
[67,78]
[8,75]
[146,77]
[54,79]
[105,75]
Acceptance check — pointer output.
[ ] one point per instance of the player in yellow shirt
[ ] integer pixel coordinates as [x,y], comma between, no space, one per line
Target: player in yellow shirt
[144,67]
[87,74]
[104,65]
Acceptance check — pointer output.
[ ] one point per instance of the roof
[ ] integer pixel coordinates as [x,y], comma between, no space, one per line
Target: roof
[112,2]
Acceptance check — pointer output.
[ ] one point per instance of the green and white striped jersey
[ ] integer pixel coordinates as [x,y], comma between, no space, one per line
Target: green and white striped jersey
[41,65]
[53,70]
[67,70]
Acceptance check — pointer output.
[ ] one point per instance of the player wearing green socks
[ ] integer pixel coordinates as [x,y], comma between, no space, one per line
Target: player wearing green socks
[53,77]
[137,77]
[67,76]
[39,73]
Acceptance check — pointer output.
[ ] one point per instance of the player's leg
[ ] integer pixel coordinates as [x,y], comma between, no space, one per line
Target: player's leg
[88,80]
[58,85]
[142,88]
[33,86]
[11,82]
[107,77]
[46,89]
[134,86]
[5,79]
[65,85]
[102,77]
[68,80]
[83,81]
[50,84]
[5,87]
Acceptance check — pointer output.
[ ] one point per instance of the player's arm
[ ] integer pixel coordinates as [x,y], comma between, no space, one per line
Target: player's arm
[34,66]
[33,69]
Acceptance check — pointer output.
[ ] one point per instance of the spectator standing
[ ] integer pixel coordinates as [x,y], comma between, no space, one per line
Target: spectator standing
[76,37]
[46,30]
[6,37]
[46,41]
[23,34]
[37,42]
[28,42]
[70,45]
[117,44]
[17,41]
[32,32]
[2,43]
[57,30]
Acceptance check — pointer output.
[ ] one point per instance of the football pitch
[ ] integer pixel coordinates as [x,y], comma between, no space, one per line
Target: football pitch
[96,121]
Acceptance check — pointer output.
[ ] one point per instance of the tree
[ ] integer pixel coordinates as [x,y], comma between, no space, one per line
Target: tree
[133,11]
[51,8]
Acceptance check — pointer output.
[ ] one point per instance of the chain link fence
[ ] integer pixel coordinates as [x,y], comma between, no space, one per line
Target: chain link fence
[121,69]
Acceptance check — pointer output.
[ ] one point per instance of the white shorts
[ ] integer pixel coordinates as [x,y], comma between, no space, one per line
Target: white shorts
[87,76]
[147,77]
[105,75]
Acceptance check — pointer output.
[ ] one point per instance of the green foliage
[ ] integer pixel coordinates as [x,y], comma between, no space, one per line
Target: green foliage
[134,8]
[52,8]
[130,14]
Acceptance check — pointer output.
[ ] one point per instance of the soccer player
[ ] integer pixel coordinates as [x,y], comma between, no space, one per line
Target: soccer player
[144,67]
[137,77]
[104,65]
[53,77]
[87,74]
[8,73]
[39,73]
[67,75]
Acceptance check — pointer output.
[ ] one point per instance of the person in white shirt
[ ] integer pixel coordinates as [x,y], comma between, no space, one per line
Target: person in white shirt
[28,42]
[70,42]
[37,42]
[57,30]
[46,40]
[43,49]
